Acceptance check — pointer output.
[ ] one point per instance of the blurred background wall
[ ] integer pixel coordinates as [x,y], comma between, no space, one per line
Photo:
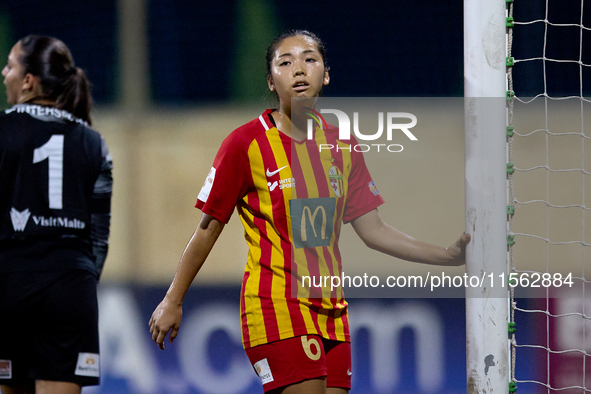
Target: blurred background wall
[172,78]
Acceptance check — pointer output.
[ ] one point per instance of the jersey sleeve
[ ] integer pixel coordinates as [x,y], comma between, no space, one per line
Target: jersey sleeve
[362,194]
[100,215]
[227,181]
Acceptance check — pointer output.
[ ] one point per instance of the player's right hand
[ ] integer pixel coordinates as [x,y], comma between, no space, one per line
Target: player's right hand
[166,317]
[457,252]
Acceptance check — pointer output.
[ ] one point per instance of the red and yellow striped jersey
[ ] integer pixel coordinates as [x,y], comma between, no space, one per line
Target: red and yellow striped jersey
[292,199]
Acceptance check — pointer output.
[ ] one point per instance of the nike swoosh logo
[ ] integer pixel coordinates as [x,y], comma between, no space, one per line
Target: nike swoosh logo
[349,372]
[269,173]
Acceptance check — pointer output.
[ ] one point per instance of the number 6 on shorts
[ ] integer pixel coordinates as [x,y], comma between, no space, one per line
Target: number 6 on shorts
[307,345]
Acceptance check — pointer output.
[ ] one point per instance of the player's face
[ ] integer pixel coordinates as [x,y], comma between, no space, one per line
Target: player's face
[14,74]
[297,69]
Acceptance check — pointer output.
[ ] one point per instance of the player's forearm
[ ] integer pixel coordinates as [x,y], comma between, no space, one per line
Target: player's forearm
[395,243]
[193,257]
[382,237]
[100,209]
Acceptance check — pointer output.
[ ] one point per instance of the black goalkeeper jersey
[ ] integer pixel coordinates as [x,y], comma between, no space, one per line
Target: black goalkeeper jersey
[55,185]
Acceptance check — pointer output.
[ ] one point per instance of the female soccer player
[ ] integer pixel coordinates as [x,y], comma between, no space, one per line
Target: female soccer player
[292,200]
[55,178]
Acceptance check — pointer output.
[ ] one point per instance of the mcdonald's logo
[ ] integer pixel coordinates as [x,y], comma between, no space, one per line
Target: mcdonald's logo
[312,218]
[312,221]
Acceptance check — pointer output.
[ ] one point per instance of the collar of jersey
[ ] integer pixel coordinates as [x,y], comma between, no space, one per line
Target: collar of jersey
[45,113]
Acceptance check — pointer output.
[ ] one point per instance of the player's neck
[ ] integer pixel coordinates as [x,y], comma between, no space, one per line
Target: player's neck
[38,101]
[282,118]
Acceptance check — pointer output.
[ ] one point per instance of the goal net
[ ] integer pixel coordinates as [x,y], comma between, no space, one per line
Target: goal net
[549,194]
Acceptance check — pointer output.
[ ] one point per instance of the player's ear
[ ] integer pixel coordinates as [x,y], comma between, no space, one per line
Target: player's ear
[31,86]
[270,83]
[326,79]
[29,82]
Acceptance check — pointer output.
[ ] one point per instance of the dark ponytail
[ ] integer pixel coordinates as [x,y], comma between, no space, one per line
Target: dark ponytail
[61,81]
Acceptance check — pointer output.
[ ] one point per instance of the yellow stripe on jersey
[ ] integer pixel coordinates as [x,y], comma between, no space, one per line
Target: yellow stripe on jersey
[277,258]
[308,320]
[347,164]
[326,160]
[339,328]
[252,302]
[322,319]
[303,158]
[282,160]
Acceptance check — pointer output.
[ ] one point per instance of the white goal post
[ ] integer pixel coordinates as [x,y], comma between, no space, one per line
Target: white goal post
[487,308]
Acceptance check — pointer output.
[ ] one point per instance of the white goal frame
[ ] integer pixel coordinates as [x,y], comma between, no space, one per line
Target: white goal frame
[487,308]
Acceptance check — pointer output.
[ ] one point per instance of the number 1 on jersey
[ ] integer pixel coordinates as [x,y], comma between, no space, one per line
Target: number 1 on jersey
[54,151]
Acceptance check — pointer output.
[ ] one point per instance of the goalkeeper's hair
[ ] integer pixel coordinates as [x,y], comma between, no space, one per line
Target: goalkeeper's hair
[61,81]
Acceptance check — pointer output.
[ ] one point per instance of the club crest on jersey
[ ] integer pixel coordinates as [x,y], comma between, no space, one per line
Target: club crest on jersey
[19,219]
[335,177]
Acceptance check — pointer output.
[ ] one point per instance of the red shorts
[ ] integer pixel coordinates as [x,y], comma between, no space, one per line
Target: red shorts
[283,363]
